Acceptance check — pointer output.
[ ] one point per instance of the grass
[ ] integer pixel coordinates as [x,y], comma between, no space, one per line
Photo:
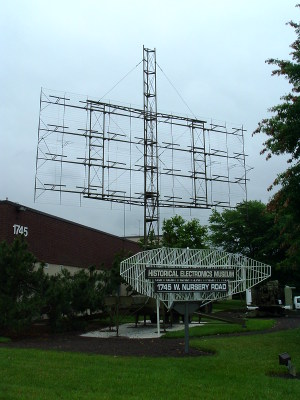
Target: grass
[216,328]
[4,339]
[240,369]
[229,305]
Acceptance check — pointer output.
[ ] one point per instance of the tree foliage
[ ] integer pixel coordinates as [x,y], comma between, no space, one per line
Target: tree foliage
[68,295]
[283,134]
[112,279]
[20,283]
[249,229]
[285,206]
[179,233]
[87,290]
[26,292]
[152,241]
[283,128]
[58,295]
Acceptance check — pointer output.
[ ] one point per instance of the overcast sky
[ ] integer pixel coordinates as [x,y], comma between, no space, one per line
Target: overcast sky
[213,52]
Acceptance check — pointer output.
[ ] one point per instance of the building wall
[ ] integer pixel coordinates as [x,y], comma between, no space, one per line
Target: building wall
[60,242]
[54,269]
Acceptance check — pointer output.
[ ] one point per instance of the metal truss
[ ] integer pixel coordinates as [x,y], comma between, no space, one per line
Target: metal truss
[96,150]
[151,160]
[248,272]
[142,157]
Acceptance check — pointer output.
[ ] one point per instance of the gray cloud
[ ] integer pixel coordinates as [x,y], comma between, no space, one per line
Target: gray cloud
[214,54]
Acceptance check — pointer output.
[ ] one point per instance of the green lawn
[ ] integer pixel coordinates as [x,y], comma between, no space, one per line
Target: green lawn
[216,327]
[4,339]
[229,305]
[239,369]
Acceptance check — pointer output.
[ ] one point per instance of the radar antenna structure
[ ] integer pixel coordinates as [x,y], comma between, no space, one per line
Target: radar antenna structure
[142,157]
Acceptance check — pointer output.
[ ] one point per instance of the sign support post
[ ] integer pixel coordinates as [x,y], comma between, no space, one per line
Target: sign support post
[186,327]
[158,317]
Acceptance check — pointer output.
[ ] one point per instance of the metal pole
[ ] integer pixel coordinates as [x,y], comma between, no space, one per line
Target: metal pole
[186,327]
[158,318]
[124,217]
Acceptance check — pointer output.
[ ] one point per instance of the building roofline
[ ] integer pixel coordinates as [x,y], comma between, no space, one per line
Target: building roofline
[18,205]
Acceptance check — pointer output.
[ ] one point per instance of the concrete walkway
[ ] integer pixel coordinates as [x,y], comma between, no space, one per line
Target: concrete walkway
[140,331]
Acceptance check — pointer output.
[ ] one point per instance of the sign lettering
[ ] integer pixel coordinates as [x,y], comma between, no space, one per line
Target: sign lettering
[20,230]
[190,273]
[197,286]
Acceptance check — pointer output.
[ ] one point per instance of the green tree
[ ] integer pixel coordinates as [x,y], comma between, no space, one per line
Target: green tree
[20,284]
[178,233]
[283,134]
[249,229]
[68,295]
[112,279]
[152,241]
[58,296]
[87,291]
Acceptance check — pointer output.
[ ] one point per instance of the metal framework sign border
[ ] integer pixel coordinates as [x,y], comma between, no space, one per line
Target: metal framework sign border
[247,273]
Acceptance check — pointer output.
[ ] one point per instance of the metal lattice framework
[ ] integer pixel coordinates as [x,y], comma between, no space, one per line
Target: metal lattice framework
[141,157]
[151,159]
[248,272]
[96,150]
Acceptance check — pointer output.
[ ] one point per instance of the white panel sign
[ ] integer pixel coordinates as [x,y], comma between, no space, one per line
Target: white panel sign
[201,275]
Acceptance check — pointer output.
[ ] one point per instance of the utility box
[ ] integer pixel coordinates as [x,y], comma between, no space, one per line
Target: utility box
[284,359]
[297,302]
[288,297]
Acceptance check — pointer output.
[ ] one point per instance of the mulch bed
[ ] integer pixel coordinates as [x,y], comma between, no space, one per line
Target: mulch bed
[114,346]
[121,346]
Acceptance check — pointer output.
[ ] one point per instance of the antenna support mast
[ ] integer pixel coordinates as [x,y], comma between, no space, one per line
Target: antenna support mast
[151,192]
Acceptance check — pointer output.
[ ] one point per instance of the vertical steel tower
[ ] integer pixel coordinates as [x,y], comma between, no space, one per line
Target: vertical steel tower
[151,191]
